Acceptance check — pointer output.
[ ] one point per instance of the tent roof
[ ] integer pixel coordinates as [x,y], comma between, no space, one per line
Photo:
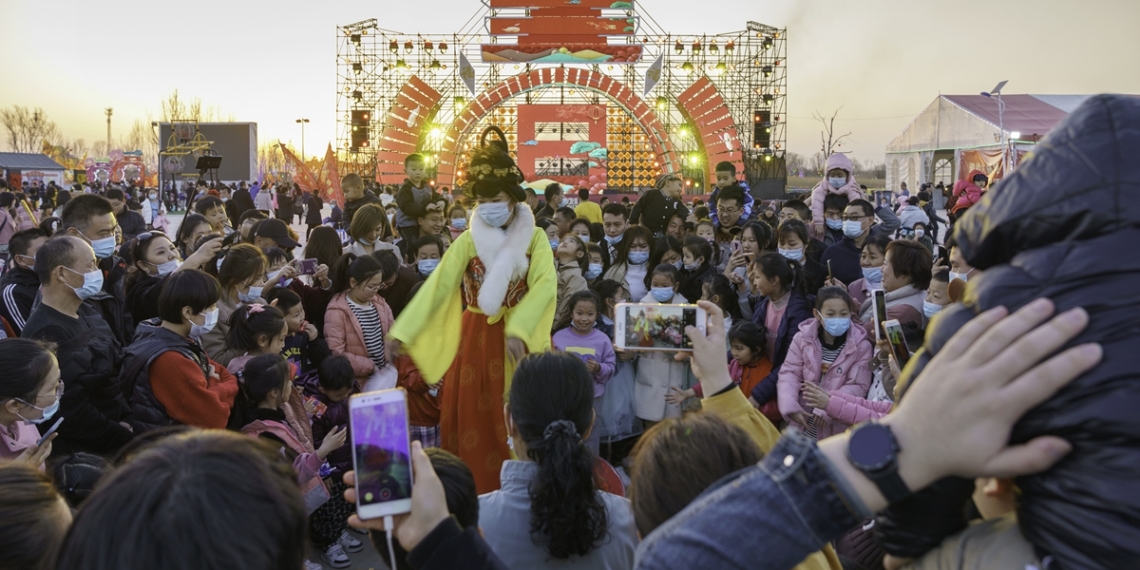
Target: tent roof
[26,161]
[1031,115]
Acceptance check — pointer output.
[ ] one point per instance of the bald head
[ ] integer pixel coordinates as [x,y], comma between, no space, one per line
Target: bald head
[62,251]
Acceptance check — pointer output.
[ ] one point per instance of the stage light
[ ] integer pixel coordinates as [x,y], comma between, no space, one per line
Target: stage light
[428,45]
[435,66]
[695,158]
[436,132]
[443,47]
[393,46]
[358,95]
[730,47]
[662,102]
[713,47]
[355,38]
[766,44]
[697,47]
[680,48]
[408,47]
[721,67]
[401,64]
[687,66]
[683,132]
[357,68]
[767,71]
[768,99]
[1015,135]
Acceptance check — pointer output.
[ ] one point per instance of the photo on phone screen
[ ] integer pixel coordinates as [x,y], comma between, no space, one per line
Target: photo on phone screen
[897,341]
[307,266]
[381,454]
[658,326]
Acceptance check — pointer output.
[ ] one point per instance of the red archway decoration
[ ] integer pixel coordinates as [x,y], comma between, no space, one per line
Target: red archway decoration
[612,89]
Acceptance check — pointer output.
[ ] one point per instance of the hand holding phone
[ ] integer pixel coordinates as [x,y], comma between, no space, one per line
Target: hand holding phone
[879,302]
[381,453]
[649,326]
[429,503]
[49,432]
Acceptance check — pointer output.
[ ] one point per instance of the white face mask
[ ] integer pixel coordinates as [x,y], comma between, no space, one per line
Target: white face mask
[495,214]
[167,268]
[200,330]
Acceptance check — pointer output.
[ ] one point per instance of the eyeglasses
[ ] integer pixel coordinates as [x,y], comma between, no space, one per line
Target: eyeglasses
[724,210]
[58,396]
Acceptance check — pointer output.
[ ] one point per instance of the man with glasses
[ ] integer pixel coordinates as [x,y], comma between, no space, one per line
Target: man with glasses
[858,225]
[89,354]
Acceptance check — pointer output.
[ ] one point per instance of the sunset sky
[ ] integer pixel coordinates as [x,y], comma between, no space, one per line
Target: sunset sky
[882,61]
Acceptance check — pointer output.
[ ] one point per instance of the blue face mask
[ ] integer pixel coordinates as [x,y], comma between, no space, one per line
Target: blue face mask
[426,266]
[495,214]
[92,284]
[104,248]
[662,294]
[48,412]
[837,182]
[693,266]
[638,257]
[837,326]
[594,271]
[367,241]
[459,223]
[873,274]
[554,243]
[834,224]
[678,264]
[209,321]
[614,240]
[792,254]
[930,309]
[852,229]
[252,296]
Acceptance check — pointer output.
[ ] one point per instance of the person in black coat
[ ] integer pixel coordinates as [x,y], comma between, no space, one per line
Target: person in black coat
[130,222]
[20,285]
[313,215]
[1064,226]
[656,207]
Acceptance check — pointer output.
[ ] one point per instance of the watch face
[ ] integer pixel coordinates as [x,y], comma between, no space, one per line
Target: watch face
[871,447]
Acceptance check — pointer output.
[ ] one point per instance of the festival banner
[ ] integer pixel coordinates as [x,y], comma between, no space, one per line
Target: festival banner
[303,176]
[653,74]
[467,73]
[331,172]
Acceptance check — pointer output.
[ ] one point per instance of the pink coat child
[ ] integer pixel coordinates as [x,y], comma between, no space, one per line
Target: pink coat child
[849,188]
[849,374]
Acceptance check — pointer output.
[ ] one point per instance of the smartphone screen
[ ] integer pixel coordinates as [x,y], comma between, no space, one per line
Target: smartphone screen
[381,452]
[898,341]
[880,312]
[658,326]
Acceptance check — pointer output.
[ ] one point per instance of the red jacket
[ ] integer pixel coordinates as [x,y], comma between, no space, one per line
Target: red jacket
[423,407]
[967,192]
[187,397]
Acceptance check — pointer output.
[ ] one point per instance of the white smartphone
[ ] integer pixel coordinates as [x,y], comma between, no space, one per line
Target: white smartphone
[648,326]
[381,453]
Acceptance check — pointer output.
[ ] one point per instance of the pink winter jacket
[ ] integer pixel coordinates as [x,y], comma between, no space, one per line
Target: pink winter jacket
[849,374]
[850,410]
[821,190]
[967,192]
[344,335]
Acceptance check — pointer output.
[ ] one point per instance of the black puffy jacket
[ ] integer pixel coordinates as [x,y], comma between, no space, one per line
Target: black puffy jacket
[1065,225]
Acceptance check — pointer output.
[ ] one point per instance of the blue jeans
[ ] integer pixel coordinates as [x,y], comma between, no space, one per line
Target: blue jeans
[771,516]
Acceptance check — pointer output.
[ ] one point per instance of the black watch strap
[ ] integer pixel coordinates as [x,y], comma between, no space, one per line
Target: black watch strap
[890,484]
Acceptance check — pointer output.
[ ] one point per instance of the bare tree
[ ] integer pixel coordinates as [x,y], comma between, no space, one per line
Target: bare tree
[99,149]
[174,109]
[141,137]
[817,162]
[28,128]
[829,141]
[794,162]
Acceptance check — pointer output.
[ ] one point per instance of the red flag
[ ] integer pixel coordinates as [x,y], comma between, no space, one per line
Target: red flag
[331,173]
[303,176]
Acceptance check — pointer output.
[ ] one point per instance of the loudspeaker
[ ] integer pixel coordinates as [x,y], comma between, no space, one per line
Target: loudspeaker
[209,162]
[761,129]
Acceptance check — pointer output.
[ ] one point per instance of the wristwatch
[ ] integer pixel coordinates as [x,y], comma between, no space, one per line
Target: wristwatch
[874,450]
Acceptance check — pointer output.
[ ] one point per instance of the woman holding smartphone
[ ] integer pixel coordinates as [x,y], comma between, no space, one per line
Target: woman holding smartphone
[29,396]
[495,290]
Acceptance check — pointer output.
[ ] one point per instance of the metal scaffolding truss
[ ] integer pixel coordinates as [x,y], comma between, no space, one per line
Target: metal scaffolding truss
[748,68]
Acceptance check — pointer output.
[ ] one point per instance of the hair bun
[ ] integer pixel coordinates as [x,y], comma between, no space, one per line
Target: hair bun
[492,170]
[558,427]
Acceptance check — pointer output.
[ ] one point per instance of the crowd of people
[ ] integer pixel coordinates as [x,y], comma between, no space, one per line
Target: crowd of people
[203,375]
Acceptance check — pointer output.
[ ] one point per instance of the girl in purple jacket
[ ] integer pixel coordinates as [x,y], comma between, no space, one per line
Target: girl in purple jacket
[828,352]
[576,335]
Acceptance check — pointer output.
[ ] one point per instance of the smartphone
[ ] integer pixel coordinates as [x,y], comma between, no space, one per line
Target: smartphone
[897,341]
[50,431]
[648,326]
[879,300]
[381,453]
[307,266]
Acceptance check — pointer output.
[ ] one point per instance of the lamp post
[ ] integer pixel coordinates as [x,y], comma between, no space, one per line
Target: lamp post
[1001,124]
[302,123]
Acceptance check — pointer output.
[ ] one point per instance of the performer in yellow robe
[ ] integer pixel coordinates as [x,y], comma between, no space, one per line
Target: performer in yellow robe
[503,270]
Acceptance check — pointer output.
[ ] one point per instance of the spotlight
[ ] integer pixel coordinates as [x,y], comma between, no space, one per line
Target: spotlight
[767,71]
[357,68]
[393,46]
[766,44]
[768,99]
[443,47]
[357,95]
[1015,135]
[713,47]
[680,48]
[428,45]
[687,66]
[729,47]
[721,67]
[355,38]
[408,47]
[435,65]
[662,103]
[696,47]
[459,102]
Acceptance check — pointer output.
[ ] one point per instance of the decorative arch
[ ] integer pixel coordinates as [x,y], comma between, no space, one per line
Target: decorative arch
[583,78]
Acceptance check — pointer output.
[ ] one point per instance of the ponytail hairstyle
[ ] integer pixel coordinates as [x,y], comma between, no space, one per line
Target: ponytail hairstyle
[567,316]
[777,267]
[250,323]
[829,293]
[552,407]
[351,267]
[751,335]
[264,374]
[720,287]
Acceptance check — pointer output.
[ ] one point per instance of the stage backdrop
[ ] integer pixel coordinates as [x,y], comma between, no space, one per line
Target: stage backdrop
[548,135]
[236,143]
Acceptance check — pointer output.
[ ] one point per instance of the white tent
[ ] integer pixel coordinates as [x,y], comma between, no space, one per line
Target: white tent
[957,133]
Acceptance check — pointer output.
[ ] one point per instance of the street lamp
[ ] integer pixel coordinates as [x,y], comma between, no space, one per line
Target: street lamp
[302,123]
[1001,122]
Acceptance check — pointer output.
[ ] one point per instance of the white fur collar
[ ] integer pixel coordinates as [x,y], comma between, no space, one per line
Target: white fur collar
[503,253]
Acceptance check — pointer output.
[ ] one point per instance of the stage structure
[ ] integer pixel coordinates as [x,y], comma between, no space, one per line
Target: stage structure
[589,92]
